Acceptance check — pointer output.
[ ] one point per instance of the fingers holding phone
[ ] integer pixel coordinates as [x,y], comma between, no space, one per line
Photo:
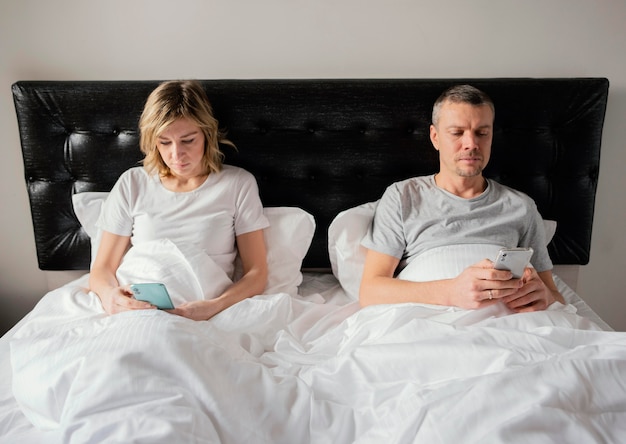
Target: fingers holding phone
[532,296]
[514,260]
[119,299]
[154,293]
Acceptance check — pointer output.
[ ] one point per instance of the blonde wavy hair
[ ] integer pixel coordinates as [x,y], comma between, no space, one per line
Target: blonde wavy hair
[169,102]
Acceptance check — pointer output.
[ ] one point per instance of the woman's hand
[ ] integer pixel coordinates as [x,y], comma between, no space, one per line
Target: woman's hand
[119,299]
[253,255]
[198,310]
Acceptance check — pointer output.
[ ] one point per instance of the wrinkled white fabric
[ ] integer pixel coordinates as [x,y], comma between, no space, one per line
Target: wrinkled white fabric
[281,368]
[188,272]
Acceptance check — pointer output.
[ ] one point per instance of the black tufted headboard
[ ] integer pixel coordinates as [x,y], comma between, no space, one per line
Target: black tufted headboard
[322,145]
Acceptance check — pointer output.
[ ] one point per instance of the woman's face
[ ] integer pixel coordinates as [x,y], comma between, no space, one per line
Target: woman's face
[181,146]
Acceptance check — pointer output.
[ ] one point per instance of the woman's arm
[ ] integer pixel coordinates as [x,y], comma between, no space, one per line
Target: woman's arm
[102,280]
[253,255]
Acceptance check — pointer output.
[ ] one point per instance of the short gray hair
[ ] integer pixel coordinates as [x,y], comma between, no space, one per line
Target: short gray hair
[461,94]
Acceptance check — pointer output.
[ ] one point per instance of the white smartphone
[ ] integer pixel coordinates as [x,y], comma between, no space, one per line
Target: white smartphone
[513,259]
[155,293]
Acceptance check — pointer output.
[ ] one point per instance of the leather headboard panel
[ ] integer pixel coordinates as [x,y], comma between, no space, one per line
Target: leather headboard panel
[322,145]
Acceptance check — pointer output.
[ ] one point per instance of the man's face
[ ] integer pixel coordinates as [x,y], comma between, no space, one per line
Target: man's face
[463,138]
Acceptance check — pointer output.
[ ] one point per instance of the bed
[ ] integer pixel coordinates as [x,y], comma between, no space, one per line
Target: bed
[303,362]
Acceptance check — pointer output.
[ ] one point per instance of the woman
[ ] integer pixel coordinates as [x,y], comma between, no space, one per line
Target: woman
[185,194]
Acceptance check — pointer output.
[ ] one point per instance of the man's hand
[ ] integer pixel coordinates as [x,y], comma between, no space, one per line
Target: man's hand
[533,295]
[481,285]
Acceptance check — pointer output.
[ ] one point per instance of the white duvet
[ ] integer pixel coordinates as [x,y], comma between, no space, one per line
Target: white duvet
[281,368]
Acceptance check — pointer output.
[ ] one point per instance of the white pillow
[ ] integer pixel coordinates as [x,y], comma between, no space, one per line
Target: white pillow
[550,228]
[347,256]
[87,208]
[287,239]
[446,262]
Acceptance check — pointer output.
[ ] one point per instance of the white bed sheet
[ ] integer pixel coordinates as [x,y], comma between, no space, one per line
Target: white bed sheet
[313,368]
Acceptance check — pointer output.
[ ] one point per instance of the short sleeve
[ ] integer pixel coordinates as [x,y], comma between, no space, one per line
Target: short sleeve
[249,208]
[115,216]
[535,237]
[386,234]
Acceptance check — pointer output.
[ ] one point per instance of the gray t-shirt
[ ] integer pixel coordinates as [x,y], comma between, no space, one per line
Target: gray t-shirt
[416,215]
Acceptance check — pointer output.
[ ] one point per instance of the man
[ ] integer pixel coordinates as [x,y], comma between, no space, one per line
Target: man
[457,206]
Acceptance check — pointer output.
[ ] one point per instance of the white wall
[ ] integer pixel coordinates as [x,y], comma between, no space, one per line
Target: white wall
[159,39]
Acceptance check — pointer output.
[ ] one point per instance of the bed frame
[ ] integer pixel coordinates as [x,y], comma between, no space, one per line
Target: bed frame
[322,145]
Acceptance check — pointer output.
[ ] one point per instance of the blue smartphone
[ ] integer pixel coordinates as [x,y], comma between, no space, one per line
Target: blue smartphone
[155,293]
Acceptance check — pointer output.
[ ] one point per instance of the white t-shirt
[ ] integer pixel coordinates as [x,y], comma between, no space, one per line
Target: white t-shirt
[415,215]
[226,205]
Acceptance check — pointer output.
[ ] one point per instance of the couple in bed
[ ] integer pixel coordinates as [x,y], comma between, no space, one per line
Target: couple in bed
[186,194]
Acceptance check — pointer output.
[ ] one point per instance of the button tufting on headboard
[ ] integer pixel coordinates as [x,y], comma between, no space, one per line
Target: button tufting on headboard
[323,145]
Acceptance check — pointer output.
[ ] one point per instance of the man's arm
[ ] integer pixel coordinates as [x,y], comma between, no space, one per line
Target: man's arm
[477,286]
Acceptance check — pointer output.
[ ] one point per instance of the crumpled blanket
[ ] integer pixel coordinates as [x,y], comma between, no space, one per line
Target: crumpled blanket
[284,369]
